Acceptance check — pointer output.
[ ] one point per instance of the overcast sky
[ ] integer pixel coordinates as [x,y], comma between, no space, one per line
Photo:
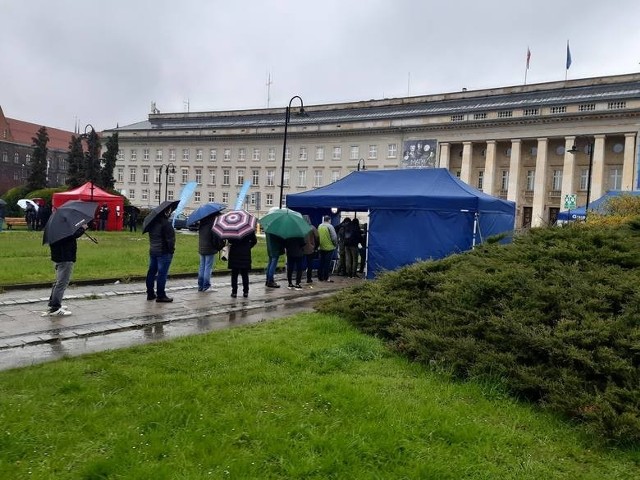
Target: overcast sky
[104,62]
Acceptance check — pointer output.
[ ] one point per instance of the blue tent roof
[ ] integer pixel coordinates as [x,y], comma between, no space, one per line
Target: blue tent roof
[598,205]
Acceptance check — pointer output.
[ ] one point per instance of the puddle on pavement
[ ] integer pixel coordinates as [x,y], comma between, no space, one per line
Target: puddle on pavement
[153,332]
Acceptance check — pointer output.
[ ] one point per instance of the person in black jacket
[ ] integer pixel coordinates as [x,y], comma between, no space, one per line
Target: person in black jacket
[352,237]
[295,254]
[162,245]
[240,262]
[208,245]
[63,255]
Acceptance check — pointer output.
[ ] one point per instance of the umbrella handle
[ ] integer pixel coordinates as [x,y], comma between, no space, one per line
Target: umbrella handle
[94,240]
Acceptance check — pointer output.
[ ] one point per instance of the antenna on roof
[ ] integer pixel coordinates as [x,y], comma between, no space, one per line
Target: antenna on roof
[153,108]
[269,82]
[186,104]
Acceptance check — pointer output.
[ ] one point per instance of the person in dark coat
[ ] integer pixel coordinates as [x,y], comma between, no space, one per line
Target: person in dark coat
[240,262]
[352,238]
[63,255]
[103,214]
[208,245]
[311,244]
[342,259]
[275,248]
[133,220]
[295,253]
[162,245]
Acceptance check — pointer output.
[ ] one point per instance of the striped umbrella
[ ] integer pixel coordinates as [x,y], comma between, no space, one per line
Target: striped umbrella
[234,224]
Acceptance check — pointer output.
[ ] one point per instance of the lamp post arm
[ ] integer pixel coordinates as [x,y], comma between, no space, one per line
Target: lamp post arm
[284,149]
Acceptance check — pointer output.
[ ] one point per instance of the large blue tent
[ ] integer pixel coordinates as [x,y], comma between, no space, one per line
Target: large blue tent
[598,206]
[414,214]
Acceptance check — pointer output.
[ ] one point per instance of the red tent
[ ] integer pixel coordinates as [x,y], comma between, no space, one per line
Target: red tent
[94,193]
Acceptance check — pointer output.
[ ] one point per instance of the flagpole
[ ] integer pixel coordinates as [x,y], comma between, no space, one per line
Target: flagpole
[526,69]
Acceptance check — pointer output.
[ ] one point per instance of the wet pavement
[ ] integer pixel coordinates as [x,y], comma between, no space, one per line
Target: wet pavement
[117,315]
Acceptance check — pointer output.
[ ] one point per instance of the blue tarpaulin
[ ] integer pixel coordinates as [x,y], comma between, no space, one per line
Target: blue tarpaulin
[598,206]
[414,214]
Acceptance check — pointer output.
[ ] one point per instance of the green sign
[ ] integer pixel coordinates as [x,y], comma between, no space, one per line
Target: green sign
[570,201]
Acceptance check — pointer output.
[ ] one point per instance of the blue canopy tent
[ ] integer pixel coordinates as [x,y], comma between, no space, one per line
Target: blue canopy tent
[598,206]
[414,214]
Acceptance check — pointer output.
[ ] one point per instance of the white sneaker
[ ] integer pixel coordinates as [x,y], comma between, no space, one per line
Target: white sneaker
[61,312]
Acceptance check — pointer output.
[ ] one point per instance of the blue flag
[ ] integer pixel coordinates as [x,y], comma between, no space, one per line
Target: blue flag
[185,197]
[568,56]
[242,193]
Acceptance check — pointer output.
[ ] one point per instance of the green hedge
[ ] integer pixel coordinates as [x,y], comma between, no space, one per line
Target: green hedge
[555,317]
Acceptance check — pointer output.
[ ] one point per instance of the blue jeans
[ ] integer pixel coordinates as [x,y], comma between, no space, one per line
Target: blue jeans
[157,273]
[272,264]
[204,271]
[63,275]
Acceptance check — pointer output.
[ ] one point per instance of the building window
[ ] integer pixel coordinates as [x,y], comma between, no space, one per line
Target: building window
[185,154]
[335,175]
[270,178]
[134,154]
[252,199]
[5,158]
[211,197]
[171,179]
[198,155]
[226,174]
[120,154]
[616,105]
[457,118]
[531,179]
[213,155]
[317,178]
[480,116]
[27,157]
[337,153]
[157,175]
[132,194]
[373,152]
[615,178]
[256,155]
[240,176]
[185,175]
[287,174]
[227,154]
[145,194]
[172,154]
[531,112]
[269,200]
[504,180]
[271,156]
[255,180]
[392,150]
[16,157]
[132,174]
[319,153]
[159,155]
[199,176]
[562,109]
[587,107]
[584,178]
[505,114]
[287,154]
[556,180]
[354,152]
[145,154]
[480,179]
[302,178]
[242,154]
[212,177]
[196,196]
[170,195]
[145,175]
[225,198]
[303,153]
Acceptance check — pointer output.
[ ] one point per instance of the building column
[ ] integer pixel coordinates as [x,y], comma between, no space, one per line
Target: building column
[568,170]
[514,170]
[540,185]
[489,185]
[445,152]
[598,181]
[465,170]
[627,166]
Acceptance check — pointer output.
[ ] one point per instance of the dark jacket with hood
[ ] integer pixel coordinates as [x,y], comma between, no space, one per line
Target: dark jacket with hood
[240,251]
[208,242]
[162,236]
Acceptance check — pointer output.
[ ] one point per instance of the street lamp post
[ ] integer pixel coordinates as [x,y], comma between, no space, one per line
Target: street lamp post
[364,167]
[90,133]
[574,150]
[168,168]
[287,117]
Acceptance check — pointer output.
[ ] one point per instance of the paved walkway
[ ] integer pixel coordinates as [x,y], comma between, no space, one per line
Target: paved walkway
[114,315]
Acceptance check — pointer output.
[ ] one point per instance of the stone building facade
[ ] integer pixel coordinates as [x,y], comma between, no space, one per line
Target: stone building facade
[512,142]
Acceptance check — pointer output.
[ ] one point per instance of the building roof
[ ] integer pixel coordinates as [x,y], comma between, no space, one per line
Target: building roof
[582,91]
[23,133]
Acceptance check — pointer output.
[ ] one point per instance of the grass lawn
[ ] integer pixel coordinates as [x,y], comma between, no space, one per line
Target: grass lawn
[304,397]
[117,255]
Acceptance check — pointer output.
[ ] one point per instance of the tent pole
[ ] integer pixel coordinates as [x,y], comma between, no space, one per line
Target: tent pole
[475,229]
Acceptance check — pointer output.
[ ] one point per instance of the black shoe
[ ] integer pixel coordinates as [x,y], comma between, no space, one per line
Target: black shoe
[273,285]
[297,287]
[234,295]
[290,286]
[151,296]
[164,300]
[309,280]
[245,294]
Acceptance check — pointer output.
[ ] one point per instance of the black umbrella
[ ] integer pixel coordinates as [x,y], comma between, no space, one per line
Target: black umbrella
[66,220]
[153,214]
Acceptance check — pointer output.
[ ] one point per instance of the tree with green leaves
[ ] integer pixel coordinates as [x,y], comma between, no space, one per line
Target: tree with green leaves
[38,172]
[108,163]
[75,160]
[92,159]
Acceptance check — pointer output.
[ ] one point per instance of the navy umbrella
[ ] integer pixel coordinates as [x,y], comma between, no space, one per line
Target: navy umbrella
[204,211]
[66,220]
[153,214]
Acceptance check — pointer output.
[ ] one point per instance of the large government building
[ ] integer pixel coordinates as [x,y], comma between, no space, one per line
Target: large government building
[512,142]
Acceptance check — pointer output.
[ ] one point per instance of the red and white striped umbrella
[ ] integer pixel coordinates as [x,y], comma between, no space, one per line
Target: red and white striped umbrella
[234,224]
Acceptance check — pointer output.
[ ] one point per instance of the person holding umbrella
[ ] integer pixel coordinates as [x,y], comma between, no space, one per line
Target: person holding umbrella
[162,245]
[209,243]
[61,232]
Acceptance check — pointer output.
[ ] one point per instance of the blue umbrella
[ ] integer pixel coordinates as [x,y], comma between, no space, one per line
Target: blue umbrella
[204,211]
